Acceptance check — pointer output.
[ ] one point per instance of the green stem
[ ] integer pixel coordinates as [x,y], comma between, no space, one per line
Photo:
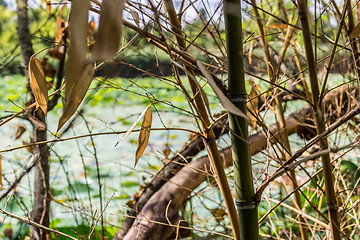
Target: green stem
[318,106]
[208,132]
[247,207]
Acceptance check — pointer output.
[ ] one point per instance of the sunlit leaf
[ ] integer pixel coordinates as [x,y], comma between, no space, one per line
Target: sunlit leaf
[92,28]
[48,7]
[278,26]
[355,32]
[133,126]
[110,28]
[76,94]
[224,100]
[144,134]
[38,83]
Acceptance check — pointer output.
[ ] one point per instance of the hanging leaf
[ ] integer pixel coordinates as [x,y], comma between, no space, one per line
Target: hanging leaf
[224,100]
[92,27]
[76,94]
[78,44]
[109,34]
[133,126]
[144,134]
[135,16]
[48,7]
[253,104]
[355,32]
[38,83]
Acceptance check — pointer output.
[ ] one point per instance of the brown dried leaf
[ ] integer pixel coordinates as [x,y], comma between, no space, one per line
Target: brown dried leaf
[355,32]
[92,27]
[144,134]
[60,26]
[224,100]
[135,16]
[253,104]
[55,53]
[19,131]
[76,94]
[110,29]
[48,7]
[133,126]
[78,44]
[28,148]
[38,83]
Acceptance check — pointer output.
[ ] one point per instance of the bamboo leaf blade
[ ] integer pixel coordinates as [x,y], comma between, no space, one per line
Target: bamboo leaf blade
[133,126]
[144,134]
[110,30]
[38,83]
[224,100]
[76,94]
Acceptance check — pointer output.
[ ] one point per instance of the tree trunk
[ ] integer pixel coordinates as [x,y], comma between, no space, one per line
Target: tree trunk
[40,213]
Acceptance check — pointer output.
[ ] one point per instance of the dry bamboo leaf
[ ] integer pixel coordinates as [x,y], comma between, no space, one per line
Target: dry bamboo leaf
[76,94]
[133,126]
[60,26]
[135,16]
[253,104]
[278,26]
[224,100]
[38,83]
[48,7]
[355,32]
[110,28]
[144,134]
[92,27]
[19,131]
[78,44]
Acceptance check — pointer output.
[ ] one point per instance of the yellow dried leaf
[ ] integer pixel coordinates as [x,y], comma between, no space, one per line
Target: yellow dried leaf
[92,27]
[144,134]
[48,6]
[355,32]
[253,104]
[38,83]
[109,34]
[278,26]
[76,94]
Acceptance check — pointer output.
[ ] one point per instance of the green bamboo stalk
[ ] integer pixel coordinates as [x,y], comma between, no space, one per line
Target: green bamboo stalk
[273,72]
[244,188]
[208,132]
[318,106]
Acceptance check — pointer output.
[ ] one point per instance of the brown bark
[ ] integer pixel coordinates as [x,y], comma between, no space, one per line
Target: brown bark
[40,213]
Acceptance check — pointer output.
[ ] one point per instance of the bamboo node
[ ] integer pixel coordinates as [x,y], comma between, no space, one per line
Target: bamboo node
[238,98]
[246,205]
[331,206]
